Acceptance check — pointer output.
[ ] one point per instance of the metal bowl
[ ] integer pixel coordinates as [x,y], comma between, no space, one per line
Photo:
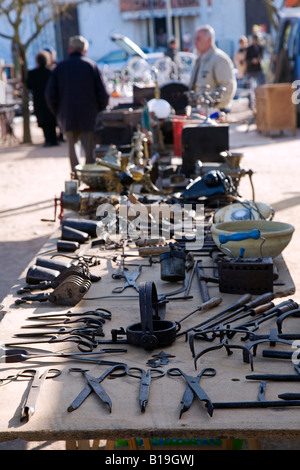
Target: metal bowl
[98,178]
[232,159]
[277,236]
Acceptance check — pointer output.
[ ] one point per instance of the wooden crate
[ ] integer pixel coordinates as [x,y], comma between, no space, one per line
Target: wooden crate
[275,110]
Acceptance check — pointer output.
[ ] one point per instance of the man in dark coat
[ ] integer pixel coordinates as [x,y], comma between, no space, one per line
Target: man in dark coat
[76,93]
[36,82]
[254,58]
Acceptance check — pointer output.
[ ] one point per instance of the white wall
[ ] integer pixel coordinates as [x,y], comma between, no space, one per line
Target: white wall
[98,21]
[227,17]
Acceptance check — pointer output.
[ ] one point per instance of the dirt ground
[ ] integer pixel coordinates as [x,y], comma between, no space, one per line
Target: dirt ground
[32,176]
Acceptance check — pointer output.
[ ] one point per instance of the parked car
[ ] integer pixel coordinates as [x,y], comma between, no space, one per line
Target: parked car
[285,60]
[117,59]
[139,62]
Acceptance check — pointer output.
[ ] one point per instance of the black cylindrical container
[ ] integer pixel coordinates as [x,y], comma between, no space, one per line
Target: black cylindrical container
[74,235]
[67,246]
[172,266]
[85,225]
[37,274]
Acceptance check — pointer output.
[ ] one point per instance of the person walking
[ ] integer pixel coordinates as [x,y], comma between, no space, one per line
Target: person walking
[254,60]
[37,80]
[75,93]
[213,67]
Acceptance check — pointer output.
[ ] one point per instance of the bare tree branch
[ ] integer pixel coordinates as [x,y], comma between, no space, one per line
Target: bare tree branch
[42,12]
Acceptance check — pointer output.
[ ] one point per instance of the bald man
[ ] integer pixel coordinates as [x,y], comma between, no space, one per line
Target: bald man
[213,66]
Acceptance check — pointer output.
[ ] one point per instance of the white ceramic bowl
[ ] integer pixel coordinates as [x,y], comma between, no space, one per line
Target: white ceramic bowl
[277,236]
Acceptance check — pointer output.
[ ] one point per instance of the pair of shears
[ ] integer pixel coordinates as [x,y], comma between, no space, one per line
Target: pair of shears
[84,343]
[94,385]
[37,379]
[145,377]
[193,389]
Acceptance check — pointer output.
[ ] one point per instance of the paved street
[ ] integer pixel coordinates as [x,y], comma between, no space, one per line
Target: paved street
[32,176]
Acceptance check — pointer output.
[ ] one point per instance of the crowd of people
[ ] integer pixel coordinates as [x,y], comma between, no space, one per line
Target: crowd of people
[70,94]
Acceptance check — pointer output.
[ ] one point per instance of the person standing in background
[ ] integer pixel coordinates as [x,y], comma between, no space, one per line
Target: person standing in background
[52,54]
[76,93]
[52,66]
[213,67]
[172,53]
[36,82]
[254,60]
[240,59]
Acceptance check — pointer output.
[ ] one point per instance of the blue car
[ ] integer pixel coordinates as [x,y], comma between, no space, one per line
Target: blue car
[285,61]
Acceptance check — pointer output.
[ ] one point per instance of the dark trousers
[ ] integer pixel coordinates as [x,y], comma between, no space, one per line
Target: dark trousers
[50,134]
[76,141]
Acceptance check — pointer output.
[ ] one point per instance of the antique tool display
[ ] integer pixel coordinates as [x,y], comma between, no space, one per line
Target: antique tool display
[228,304]
[158,327]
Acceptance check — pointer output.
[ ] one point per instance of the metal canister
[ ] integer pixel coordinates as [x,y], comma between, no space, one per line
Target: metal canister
[172,265]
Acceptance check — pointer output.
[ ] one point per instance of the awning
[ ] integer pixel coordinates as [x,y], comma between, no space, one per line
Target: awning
[145,14]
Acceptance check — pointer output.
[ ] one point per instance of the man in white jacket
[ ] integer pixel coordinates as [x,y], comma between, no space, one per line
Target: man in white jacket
[213,67]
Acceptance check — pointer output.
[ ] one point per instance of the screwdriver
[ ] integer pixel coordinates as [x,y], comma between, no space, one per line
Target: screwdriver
[211,303]
[243,304]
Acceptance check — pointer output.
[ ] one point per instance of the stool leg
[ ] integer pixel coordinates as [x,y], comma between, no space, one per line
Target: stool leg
[110,445]
[227,444]
[71,445]
[132,444]
[95,445]
[147,443]
[254,444]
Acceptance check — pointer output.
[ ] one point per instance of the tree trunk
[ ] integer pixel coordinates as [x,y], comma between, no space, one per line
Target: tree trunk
[25,97]
[26,116]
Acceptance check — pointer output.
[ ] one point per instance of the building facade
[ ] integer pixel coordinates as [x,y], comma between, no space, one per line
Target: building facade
[152,22]
[149,23]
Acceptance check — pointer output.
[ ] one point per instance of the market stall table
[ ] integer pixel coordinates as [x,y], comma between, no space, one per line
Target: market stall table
[92,420]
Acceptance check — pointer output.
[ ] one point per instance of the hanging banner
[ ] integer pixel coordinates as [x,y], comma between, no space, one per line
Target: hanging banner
[292,3]
[146,5]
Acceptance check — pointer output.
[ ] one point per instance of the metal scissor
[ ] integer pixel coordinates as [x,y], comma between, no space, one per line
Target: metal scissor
[94,385]
[29,406]
[84,343]
[145,377]
[193,388]
[101,313]
[130,280]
